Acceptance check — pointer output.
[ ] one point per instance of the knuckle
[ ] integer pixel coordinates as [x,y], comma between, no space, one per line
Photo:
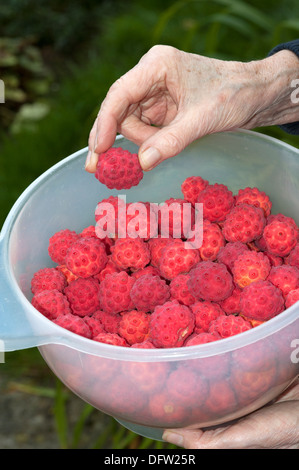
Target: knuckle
[173,142]
[116,85]
[161,53]
[162,50]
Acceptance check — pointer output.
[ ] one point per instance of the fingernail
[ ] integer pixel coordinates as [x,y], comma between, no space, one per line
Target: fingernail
[91,161]
[88,157]
[173,438]
[149,158]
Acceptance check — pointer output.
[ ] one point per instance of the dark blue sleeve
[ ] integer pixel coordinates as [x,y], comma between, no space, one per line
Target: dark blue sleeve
[293,127]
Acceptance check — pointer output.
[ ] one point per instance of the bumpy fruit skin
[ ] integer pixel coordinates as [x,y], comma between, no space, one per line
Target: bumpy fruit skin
[205,312]
[141,220]
[108,269]
[149,270]
[48,279]
[217,202]
[192,187]
[98,370]
[86,257]
[229,325]
[111,338]
[221,399]
[114,293]
[254,369]
[95,325]
[51,303]
[59,243]
[274,260]
[67,273]
[210,281]
[170,325]
[122,399]
[146,344]
[134,326]
[214,367]
[115,219]
[261,301]
[212,242]
[165,411]
[293,257]
[200,338]
[74,324]
[249,385]
[83,296]
[176,217]
[254,197]
[130,253]
[119,169]
[283,218]
[176,259]
[148,292]
[185,386]
[88,232]
[109,321]
[229,253]
[285,277]
[244,223]
[257,356]
[231,305]
[280,237]
[179,290]
[250,267]
[156,246]
[107,214]
[292,298]
[148,377]
[254,323]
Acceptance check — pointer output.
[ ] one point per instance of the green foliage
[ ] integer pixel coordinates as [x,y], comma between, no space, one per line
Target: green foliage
[26,79]
[114,435]
[228,29]
[64,26]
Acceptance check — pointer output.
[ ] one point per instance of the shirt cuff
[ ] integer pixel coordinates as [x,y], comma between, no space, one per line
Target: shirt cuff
[291,46]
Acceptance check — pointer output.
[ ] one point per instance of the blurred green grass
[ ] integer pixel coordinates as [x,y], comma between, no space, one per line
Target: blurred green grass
[93,46]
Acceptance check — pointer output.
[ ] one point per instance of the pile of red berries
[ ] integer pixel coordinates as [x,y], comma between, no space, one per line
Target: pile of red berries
[156,292]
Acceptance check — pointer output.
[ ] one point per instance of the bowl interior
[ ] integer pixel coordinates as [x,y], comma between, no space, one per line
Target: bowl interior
[66,196]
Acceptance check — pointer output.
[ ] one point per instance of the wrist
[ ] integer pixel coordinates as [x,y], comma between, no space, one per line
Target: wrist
[275,83]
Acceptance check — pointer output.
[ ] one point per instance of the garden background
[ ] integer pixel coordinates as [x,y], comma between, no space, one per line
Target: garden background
[57,60]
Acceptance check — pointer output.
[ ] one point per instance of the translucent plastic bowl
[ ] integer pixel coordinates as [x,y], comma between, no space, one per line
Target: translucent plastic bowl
[149,390]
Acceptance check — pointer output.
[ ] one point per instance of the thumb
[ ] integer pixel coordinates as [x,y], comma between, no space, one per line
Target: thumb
[167,142]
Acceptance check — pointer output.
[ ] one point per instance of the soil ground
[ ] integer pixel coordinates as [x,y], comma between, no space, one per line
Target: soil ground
[27,401]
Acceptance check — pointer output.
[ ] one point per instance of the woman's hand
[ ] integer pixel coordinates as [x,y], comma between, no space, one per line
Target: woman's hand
[170,98]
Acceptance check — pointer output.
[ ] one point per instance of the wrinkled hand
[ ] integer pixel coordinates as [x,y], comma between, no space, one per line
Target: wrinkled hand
[275,426]
[170,98]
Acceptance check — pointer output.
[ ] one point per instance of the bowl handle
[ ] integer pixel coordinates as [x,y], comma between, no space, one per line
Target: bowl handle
[16,330]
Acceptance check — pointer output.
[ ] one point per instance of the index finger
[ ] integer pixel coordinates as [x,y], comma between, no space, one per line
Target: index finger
[121,100]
